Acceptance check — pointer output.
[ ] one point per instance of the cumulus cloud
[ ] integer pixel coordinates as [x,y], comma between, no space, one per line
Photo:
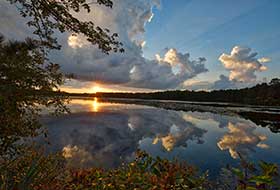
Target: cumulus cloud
[242,139]
[182,63]
[243,64]
[197,85]
[168,71]
[131,68]
[128,19]
[222,83]
[225,83]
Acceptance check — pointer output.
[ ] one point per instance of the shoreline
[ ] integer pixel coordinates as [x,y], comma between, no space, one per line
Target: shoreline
[265,116]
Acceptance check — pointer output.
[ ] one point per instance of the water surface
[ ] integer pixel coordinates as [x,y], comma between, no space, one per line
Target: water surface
[108,134]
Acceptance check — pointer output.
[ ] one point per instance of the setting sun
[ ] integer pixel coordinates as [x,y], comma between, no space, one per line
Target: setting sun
[96,88]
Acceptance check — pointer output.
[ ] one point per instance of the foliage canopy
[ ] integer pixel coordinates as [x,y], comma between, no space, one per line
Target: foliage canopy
[48,16]
[25,74]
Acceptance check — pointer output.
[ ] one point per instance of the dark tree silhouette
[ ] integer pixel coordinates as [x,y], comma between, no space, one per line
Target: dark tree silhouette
[275,81]
[25,74]
[261,94]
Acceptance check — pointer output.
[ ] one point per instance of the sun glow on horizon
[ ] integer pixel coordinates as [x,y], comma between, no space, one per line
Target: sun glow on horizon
[96,89]
[92,89]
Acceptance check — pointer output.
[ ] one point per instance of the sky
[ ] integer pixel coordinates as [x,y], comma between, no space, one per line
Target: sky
[169,44]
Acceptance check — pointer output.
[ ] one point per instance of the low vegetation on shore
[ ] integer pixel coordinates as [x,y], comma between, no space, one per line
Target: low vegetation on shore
[34,171]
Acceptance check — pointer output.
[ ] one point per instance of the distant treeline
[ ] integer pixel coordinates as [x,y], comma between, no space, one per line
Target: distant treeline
[261,94]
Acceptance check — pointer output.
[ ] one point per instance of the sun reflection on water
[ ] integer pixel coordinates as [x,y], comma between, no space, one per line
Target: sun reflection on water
[95,105]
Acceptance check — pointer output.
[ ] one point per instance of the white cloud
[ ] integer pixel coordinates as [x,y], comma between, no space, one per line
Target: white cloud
[264,60]
[167,72]
[76,42]
[143,43]
[243,64]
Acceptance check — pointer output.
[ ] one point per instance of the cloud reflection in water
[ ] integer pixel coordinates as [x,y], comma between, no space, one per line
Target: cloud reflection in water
[242,139]
[111,137]
[110,134]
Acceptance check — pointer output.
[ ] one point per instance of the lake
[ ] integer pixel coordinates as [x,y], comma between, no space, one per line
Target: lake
[106,134]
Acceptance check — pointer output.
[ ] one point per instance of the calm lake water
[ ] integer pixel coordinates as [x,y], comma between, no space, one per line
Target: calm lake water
[107,134]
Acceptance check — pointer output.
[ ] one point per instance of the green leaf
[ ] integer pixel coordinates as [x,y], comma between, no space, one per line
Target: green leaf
[238,172]
[251,188]
[261,180]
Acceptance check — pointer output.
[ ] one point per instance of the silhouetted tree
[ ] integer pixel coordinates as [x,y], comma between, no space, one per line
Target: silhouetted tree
[25,74]
[48,16]
[275,81]
[261,94]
